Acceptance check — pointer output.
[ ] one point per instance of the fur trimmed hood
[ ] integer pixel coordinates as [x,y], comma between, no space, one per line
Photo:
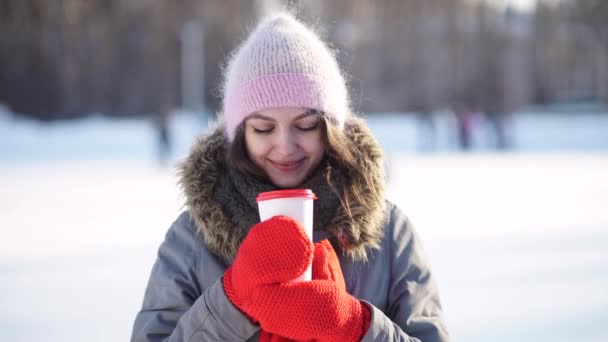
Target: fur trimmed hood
[357,226]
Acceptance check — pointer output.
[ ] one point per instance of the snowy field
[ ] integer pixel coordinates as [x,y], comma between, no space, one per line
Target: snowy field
[518,241]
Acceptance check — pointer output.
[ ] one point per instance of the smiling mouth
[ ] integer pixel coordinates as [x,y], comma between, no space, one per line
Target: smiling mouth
[288,166]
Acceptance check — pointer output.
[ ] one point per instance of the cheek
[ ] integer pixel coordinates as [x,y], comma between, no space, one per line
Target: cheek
[314,147]
[256,148]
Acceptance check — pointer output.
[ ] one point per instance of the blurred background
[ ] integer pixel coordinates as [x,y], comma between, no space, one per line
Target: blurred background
[493,115]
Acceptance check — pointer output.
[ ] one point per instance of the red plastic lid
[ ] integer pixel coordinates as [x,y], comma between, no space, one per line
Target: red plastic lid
[268,195]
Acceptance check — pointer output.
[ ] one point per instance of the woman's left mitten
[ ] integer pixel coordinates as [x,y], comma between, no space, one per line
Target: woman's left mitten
[320,309]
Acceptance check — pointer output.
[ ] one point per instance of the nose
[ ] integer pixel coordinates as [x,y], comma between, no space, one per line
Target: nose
[286,144]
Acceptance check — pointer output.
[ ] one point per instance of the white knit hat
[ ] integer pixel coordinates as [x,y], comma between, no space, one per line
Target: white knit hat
[283,64]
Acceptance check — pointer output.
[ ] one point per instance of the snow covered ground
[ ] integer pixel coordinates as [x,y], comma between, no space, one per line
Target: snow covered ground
[518,241]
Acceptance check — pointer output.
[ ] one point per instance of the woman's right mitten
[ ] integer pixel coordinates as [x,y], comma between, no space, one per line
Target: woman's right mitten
[274,251]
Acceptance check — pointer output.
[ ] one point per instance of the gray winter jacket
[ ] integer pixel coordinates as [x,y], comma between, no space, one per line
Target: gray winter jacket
[185,300]
[383,263]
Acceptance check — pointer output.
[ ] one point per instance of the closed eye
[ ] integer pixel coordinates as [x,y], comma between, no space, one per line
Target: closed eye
[262,131]
[308,128]
[310,122]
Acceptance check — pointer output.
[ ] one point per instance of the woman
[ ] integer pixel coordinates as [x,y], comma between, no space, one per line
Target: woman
[223,276]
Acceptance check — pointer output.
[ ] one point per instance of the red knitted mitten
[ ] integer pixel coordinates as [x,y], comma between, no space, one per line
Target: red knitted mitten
[325,265]
[274,251]
[319,309]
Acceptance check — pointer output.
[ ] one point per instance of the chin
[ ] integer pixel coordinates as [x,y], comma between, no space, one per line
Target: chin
[286,184]
[287,181]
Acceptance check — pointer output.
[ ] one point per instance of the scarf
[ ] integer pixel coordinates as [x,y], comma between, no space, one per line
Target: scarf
[221,200]
[237,193]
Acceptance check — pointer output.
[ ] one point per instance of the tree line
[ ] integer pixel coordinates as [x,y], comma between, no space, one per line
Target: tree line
[67,58]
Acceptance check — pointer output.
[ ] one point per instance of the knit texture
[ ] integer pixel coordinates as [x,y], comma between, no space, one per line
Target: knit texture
[325,265]
[316,309]
[275,250]
[258,283]
[320,309]
[237,193]
[220,215]
[283,63]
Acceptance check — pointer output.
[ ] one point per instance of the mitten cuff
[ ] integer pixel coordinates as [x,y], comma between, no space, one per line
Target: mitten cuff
[227,281]
[366,317]
[231,294]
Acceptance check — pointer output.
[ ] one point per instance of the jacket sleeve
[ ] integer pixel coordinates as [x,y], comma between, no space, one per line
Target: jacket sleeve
[414,311]
[176,307]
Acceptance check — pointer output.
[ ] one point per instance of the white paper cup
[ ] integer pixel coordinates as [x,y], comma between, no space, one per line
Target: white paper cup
[295,203]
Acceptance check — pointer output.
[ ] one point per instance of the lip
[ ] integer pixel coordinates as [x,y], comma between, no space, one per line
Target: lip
[287,166]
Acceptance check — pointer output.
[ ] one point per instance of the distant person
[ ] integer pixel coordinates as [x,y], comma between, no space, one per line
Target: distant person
[221,275]
[465,118]
[163,136]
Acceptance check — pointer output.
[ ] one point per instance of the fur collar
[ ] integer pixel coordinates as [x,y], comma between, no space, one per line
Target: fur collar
[356,230]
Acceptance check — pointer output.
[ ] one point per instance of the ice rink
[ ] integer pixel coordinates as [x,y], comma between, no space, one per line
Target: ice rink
[518,241]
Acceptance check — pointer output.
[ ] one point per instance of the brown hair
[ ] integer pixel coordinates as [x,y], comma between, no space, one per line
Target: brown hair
[238,157]
[342,154]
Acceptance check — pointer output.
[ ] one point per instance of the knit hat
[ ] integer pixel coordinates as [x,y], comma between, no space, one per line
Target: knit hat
[283,64]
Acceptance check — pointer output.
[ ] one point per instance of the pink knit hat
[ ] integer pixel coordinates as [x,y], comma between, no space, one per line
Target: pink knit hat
[283,64]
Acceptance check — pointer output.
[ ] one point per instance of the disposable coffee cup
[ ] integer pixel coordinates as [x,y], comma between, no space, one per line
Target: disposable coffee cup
[295,203]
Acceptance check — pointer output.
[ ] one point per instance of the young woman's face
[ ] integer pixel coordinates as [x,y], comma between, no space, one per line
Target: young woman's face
[286,143]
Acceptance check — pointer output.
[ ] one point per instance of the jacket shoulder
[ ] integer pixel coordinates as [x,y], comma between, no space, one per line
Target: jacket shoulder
[182,238]
[401,236]
[184,227]
[395,218]
[184,224]
[185,238]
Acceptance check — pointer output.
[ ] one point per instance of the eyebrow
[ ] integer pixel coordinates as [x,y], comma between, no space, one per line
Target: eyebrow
[307,113]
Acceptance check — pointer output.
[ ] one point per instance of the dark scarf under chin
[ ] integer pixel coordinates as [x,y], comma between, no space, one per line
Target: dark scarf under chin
[237,193]
[222,204]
